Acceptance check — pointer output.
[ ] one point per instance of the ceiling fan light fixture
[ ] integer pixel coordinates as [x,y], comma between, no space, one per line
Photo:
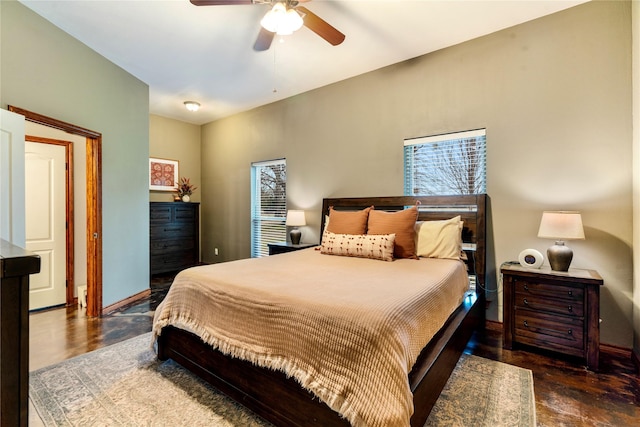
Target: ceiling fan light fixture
[192,105]
[281,20]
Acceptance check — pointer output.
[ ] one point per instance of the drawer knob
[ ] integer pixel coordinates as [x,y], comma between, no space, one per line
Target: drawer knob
[570,293]
[570,332]
[526,302]
[526,287]
[526,324]
[570,308]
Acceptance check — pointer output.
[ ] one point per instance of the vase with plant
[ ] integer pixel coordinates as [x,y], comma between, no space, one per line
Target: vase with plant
[185,189]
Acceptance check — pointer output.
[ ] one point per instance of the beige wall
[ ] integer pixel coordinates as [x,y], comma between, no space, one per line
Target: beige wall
[176,140]
[45,70]
[554,95]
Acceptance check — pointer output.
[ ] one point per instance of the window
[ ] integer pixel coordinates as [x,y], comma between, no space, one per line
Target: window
[268,205]
[454,163]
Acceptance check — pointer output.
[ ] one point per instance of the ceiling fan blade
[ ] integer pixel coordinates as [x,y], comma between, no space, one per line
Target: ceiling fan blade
[220,2]
[321,27]
[263,42]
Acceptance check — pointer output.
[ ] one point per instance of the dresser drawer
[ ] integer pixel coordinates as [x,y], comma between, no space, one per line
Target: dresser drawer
[170,231]
[171,245]
[172,261]
[546,304]
[549,290]
[548,332]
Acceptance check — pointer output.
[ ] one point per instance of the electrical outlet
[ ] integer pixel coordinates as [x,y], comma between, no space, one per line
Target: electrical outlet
[215,251]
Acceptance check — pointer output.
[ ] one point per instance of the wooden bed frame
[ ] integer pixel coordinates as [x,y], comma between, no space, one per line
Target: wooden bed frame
[282,400]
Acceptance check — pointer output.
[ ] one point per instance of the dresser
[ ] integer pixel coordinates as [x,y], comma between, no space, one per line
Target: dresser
[552,310]
[174,236]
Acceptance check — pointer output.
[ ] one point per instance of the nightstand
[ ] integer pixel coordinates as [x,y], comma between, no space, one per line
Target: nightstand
[282,247]
[553,310]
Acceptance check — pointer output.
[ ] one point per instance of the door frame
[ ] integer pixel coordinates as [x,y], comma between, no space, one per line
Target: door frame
[94,203]
[69,217]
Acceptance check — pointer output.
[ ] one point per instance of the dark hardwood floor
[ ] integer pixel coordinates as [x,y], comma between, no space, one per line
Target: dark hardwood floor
[566,393]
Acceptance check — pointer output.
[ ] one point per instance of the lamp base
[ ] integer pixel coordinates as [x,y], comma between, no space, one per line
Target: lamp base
[560,256]
[295,235]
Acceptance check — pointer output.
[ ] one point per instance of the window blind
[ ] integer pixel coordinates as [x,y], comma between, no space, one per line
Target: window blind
[268,205]
[453,163]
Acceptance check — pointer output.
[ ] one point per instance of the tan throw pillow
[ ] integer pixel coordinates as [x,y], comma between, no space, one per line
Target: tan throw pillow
[439,239]
[402,224]
[358,245]
[348,222]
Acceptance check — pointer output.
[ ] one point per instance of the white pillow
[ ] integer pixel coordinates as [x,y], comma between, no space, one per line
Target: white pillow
[439,239]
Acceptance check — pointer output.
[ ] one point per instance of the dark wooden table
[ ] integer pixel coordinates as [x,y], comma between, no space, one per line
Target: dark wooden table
[16,264]
[283,247]
[553,310]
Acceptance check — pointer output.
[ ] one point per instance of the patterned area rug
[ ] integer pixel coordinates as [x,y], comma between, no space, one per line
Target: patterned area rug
[125,385]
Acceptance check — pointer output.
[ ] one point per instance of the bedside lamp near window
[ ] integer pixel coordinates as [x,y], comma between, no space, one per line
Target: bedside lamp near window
[295,219]
[561,226]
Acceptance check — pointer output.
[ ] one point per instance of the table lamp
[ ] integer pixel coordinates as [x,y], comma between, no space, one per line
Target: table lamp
[561,226]
[295,219]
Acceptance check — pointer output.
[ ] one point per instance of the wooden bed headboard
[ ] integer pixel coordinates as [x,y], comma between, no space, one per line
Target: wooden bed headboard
[471,208]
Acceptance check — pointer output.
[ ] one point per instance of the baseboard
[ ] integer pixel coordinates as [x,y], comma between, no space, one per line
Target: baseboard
[615,350]
[492,325]
[127,301]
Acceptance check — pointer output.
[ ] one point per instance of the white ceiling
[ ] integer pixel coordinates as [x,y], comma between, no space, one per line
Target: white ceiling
[184,52]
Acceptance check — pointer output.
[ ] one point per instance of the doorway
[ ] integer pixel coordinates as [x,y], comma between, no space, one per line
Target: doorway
[94,202]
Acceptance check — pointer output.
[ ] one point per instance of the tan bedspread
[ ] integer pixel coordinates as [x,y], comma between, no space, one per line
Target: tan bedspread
[348,329]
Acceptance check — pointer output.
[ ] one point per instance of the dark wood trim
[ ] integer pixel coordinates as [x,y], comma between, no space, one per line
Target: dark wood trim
[94,227]
[616,350]
[492,325]
[55,123]
[68,145]
[133,299]
[94,202]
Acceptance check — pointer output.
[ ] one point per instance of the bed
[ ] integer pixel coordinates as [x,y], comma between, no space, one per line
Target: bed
[299,388]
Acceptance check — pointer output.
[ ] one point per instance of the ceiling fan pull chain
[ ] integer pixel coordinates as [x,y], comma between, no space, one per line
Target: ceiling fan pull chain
[275,76]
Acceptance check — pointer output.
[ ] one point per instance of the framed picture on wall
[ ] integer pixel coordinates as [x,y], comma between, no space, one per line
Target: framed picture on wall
[163,174]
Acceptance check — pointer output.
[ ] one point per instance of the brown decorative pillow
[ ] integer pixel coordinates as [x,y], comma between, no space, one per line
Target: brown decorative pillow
[348,222]
[402,224]
[358,245]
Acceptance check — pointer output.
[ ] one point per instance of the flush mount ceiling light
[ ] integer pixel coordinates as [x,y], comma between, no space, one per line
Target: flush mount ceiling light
[282,20]
[192,105]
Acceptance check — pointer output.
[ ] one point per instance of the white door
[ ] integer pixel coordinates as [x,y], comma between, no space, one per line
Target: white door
[46,222]
[12,226]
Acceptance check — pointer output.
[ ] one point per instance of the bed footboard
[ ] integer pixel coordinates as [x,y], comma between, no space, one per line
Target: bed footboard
[284,402]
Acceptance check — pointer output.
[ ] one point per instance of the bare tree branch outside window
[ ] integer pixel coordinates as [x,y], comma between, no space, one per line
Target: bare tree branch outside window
[269,205]
[453,166]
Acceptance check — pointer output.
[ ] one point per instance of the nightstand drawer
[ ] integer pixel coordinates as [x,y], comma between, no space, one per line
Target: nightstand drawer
[545,331]
[538,303]
[549,290]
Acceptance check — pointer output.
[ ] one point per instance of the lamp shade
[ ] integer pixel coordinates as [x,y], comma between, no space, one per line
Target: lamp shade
[295,218]
[562,225]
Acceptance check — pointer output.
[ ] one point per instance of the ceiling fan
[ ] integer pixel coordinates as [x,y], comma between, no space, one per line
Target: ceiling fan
[293,16]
